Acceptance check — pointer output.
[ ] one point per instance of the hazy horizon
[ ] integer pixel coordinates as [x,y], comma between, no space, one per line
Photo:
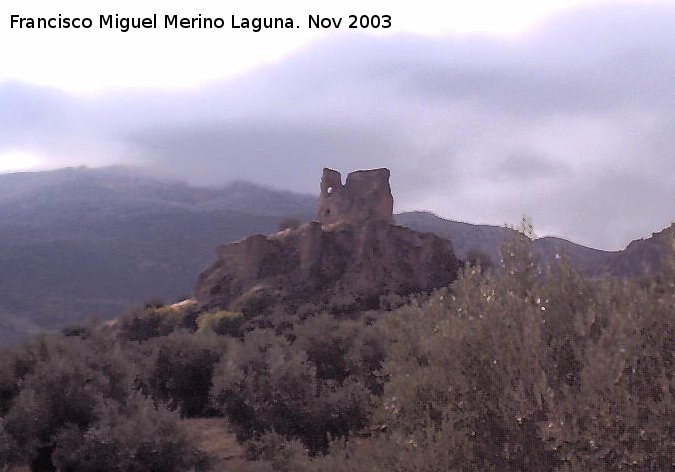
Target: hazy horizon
[569,121]
[148,173]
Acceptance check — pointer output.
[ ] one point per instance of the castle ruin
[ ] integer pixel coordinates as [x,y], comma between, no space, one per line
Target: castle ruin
[343,263]
[366,195]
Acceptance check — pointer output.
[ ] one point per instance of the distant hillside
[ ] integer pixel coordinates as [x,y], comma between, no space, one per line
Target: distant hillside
[464,236]
[76,242]
[641,256]
[487,239]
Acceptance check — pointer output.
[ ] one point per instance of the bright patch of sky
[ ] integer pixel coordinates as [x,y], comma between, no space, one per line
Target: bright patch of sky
[95,60]
[19,161]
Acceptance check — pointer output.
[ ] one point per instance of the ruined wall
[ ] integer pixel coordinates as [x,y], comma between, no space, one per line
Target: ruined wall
[366,195]
[344,262]
[342,266]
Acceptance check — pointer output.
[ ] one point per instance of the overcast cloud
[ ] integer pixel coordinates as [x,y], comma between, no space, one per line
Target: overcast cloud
[572,124]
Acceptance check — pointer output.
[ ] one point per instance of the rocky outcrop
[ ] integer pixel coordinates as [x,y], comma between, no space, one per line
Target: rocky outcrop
[345,261]
[644,256]
[347,267]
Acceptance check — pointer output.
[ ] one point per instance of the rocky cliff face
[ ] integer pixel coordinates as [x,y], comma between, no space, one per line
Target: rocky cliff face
[643,256]
[344,262]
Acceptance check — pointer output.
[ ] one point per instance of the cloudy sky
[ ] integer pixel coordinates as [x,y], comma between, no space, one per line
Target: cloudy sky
[562,110]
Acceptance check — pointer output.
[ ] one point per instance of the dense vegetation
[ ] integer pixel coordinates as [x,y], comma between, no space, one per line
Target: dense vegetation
[525,371]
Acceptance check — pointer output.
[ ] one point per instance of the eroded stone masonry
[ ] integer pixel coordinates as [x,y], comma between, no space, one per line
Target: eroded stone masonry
[343,262]
[366,195]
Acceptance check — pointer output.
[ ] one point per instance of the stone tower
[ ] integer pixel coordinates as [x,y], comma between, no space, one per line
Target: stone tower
[366,195]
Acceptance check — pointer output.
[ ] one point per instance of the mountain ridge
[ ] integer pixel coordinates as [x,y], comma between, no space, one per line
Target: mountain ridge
[79,241]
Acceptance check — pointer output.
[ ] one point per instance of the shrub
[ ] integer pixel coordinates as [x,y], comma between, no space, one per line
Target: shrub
[340,349]
[267,384]
[181,371]
[477,258]
[526,372]
[9,450]
[155,320]
[61,381]
[289,223]
[221,322]
[135,437]
[70,404]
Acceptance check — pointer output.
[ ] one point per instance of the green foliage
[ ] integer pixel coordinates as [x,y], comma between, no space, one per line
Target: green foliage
[134,437]
[476,258]
[221,322]
[9,450]
[181,370]
[520,371]
[525,372]
[289,223]
[622,413]
[155,320]
[264,384]
[267,384]
[343,349]
[63,393]
[254,303]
